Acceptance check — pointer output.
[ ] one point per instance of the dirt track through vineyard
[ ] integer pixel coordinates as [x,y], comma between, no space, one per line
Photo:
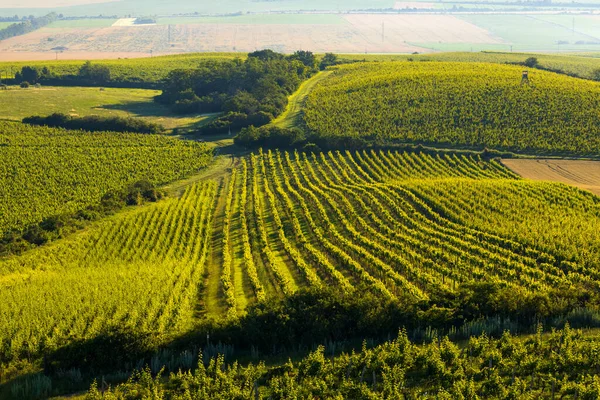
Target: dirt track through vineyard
[580,173]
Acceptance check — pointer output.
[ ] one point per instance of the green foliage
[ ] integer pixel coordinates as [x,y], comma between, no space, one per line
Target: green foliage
[457,104]
[94,73]
[402,239]
[252,92]
[531,62]
[141,72]
[90,307]
[562,365]
[95,123]
[32,75]
[47,172]
[111,349]
[270,137]
[329,60]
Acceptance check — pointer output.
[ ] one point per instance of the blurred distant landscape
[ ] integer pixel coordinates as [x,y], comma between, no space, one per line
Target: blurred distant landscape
[92,29]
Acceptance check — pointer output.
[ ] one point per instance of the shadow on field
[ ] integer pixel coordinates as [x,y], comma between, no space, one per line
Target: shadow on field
[140,109]
[186,123]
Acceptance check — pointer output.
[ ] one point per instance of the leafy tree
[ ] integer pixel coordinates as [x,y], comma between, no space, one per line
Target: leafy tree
[531,62]
[306,57]
[328,60]
[94,73]
[266,55]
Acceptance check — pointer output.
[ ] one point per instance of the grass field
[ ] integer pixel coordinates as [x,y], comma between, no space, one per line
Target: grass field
[17,103]
[5,24]
[330,32]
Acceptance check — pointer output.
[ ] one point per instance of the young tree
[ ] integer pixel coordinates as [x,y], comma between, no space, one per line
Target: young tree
[28,74]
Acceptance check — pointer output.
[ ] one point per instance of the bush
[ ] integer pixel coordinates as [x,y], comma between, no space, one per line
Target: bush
[141,192]
[236,121]
[270,137]
[328,60]
[94,123]
[94,73]
[531,62]
[111,350]
[25,85]
[56,227]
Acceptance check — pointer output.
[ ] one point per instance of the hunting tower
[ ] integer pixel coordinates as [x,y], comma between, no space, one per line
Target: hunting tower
[525,78]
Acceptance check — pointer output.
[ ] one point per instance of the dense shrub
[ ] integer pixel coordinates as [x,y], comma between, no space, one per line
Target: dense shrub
[111,350]
[55,227]
[94,123]
[94,73]
[257,87]
[270,137]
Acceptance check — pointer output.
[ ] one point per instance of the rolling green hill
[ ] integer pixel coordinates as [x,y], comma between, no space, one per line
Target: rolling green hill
[457,104]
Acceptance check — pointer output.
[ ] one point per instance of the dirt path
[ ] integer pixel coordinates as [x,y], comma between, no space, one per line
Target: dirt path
[581,173]
[292,116]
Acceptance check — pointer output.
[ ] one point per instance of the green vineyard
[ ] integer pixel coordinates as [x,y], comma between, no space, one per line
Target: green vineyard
[395,224]
[457,104]
[47,172]
[141,270]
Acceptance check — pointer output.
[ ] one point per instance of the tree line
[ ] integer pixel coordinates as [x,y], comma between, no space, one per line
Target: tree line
[95,123]
[29,25]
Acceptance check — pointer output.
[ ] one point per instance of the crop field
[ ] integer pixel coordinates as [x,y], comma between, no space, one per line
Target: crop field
[354,33]
[541,32]
[458,104]
[339,33]
[47,172]
[17,103]
[583,65]
[393,223]
[580,173]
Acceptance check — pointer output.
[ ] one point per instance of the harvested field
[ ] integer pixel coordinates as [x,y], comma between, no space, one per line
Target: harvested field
[583,174]
[358,33]
[419,29]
